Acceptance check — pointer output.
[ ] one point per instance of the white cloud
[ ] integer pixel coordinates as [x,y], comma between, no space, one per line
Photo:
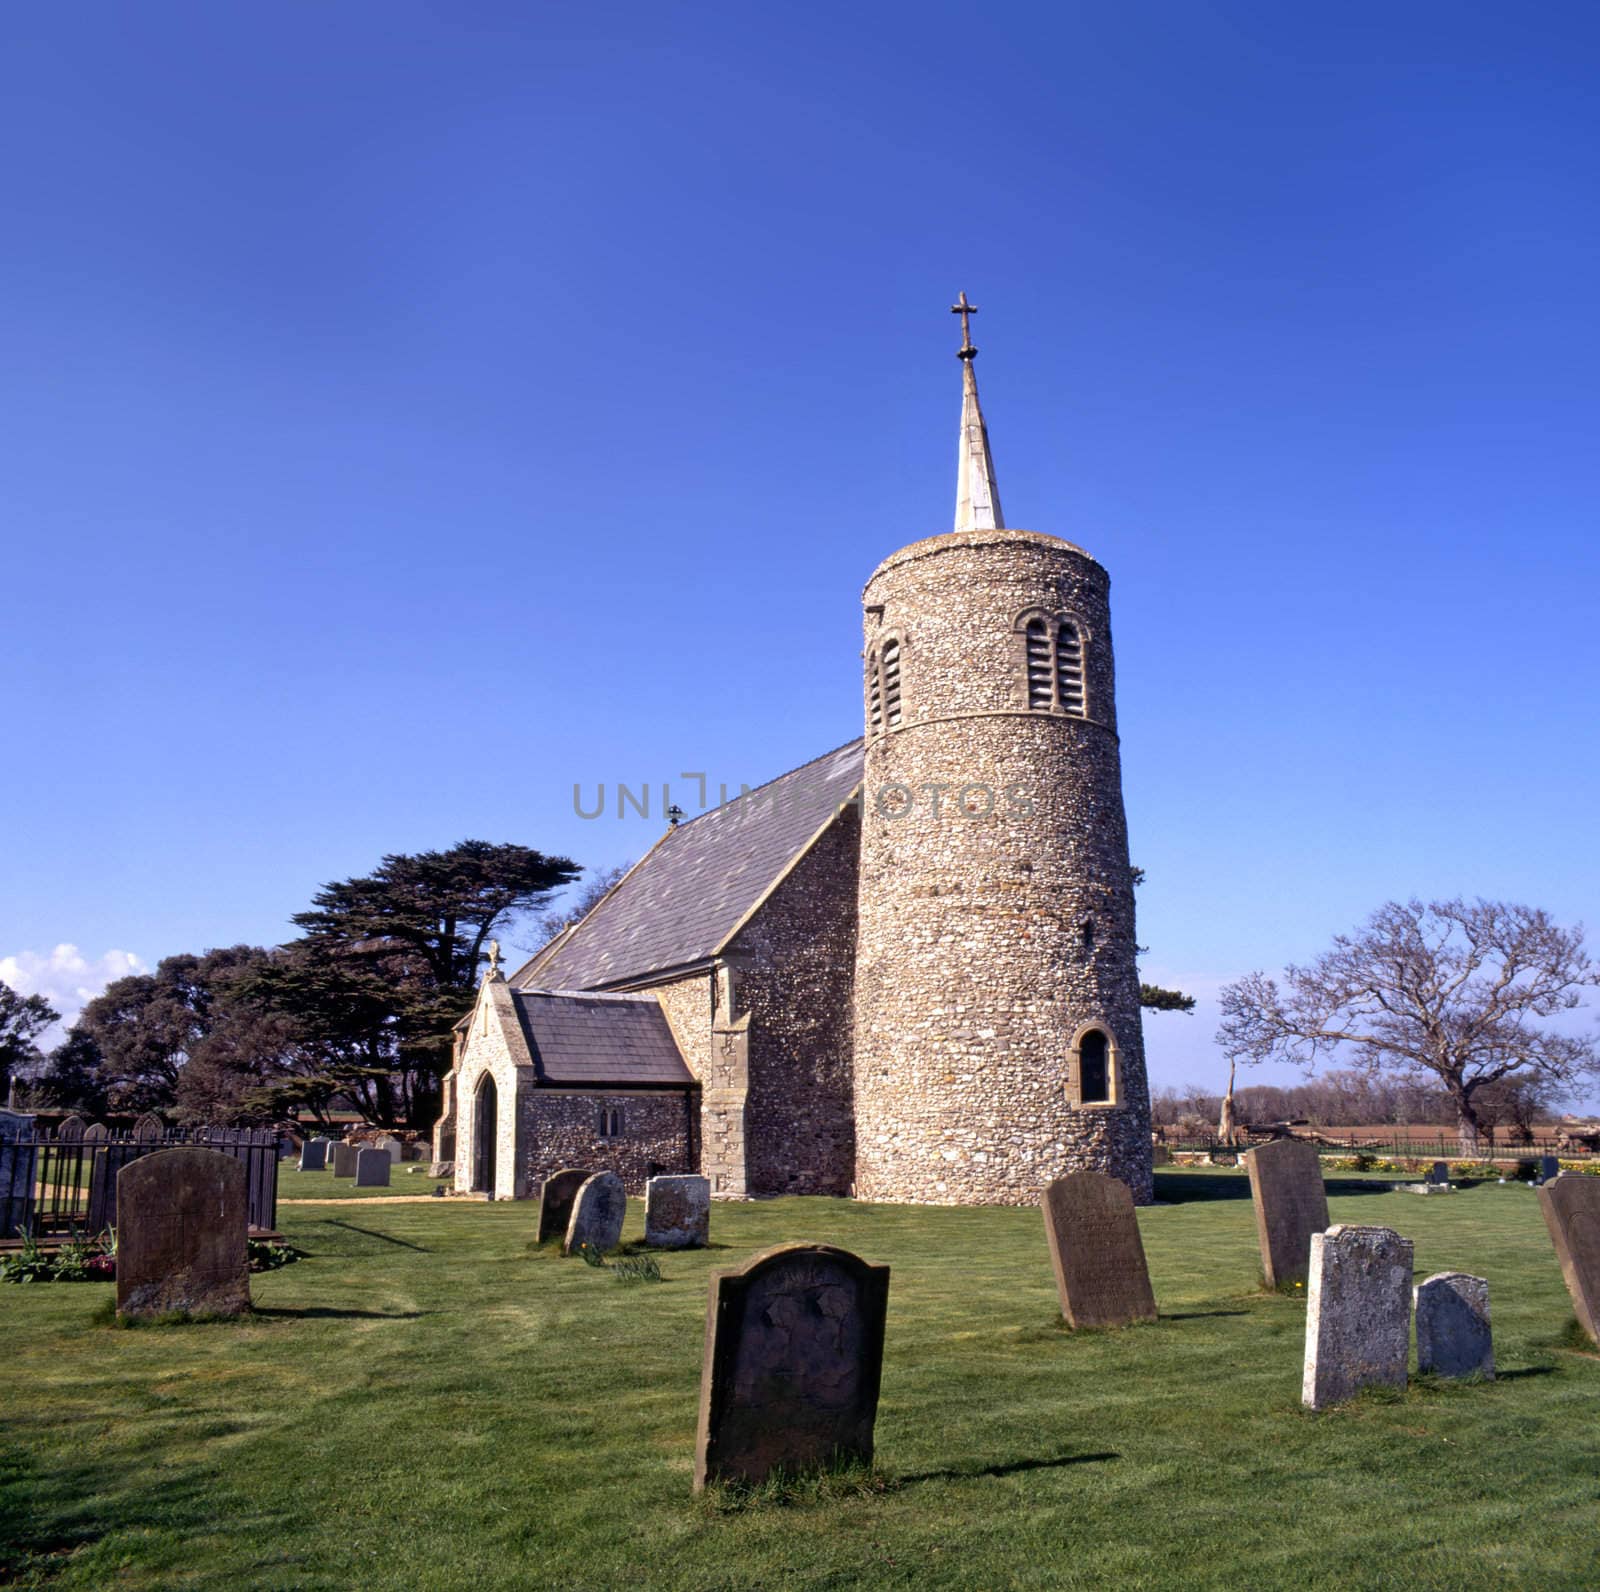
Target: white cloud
[66,978]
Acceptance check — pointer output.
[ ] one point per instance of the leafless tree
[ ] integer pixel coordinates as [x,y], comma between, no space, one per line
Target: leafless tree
[596,882]
[1454,989]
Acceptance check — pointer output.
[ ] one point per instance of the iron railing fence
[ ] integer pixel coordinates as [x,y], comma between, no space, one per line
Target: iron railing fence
[50,1188]
[1398,1148]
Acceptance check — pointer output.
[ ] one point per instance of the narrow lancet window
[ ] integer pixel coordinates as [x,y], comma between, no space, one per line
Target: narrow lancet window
[1069,668]
[874,692]
[1038,664]
[1094,1068]
[891,683]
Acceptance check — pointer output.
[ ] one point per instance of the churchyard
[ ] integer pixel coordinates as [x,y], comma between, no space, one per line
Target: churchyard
[430,1398]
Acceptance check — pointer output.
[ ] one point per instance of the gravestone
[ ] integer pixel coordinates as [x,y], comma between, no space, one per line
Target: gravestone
[1549,1168]
[342,1157]
[96,1133]
[793,1358]
[677,1212]
[372,1168]
[1358,1313]
[597,1213]
[1440,1172]
[18,1160]
[1453,1337]
[1571,1208]
[391,1147]
[70,1129]
[555,1201]
[1097,1252]
[314,1155]
[181,1234]
[149,1129]
[1291,1204]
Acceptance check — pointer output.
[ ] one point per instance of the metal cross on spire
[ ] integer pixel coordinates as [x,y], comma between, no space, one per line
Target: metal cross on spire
[965,311]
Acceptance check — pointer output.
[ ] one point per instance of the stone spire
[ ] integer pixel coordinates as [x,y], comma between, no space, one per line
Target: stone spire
[977,495]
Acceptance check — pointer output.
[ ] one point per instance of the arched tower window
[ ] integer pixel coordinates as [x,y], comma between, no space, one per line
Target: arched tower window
[1052,655]
[1092,1069]
[883,686]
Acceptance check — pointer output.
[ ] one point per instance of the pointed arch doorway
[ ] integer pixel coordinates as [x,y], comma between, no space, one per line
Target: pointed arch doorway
[485,1131]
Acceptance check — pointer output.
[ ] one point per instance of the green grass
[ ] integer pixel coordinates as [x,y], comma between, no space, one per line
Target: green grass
[293,1184]
[427,1401]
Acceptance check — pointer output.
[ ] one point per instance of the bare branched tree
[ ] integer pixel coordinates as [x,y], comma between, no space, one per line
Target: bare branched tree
[1456,990]
[578,905]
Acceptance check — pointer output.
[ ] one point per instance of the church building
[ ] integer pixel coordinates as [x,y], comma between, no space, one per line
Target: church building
[904,971]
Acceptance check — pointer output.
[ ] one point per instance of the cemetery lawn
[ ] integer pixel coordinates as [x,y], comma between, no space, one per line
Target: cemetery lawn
[427,1402]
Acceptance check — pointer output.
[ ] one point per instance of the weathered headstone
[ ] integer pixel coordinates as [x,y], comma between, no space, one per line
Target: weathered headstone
[342,1157]
[441,1169]
[1291,1204]
[793,1359]
[372,1168]
[70,1129]
[314,1155]
[1571,1208]
[677,1212]
[1440,1172]
[555,1201]
[391,1147]
[1358,1313]
[96,1133]
[1097,1252]
[1453,1337]
[18,1158]
[597,1211]
[1549,1168]
[181,1234]
[149,1129]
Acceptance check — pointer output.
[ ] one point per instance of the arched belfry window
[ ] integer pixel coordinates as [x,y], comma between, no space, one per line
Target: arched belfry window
[1092,1069]
[1052,657]
[883,686]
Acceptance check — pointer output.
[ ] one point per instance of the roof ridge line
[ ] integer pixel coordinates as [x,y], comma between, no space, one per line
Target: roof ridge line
[755,790]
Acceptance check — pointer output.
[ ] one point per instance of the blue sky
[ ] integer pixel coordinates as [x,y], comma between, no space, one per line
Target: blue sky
[413,410]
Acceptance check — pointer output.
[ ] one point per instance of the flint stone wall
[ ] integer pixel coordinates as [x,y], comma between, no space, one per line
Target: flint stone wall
[974,974]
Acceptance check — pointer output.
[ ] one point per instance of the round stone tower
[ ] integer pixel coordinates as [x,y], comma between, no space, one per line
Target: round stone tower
[997,1035]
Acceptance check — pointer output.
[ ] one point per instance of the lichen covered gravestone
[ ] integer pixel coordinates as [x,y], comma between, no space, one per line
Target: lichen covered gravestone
[372,1168]
[1453,1337]
[1290,1203]
[181,1234]
[1571,1208]
[314,1155]
[677,1212]
[555,1202]
[597,1213]
[18,1156]
[1097,1252]
[1358,1313]
[793,1360]
[342,1158]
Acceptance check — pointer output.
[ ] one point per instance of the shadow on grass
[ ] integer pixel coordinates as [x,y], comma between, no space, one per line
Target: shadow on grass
[367,1232]
[1013,1467]
[327,1312]
[1188,1188]
[1199,1315]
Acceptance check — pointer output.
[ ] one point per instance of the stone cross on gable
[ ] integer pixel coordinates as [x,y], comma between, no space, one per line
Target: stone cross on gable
[965,310]
[494,958]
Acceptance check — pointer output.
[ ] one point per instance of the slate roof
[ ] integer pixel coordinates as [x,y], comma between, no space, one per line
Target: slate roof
[600,1039]
[689,893]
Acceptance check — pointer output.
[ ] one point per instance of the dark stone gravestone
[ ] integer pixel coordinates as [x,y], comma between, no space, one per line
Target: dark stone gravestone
[1358,1313]
[342,1158]
[1097,1252]
[1440,1172]
[314,1155]
[1291,1204]
[181,1234]
[372,1168]
[677,1212]
[1453,1337]
[17,1169]
[555,1202]
[149,1129]
[597,1212]
[1549,1168]
[70,1130]
[793,1358]
[1571,1208]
